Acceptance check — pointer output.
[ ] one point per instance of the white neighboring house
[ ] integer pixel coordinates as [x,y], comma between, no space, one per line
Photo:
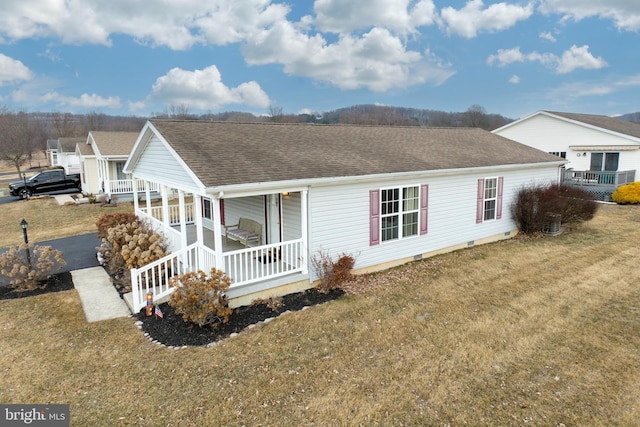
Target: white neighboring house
[385,195]
[102,157]
[602,152]
[64,154]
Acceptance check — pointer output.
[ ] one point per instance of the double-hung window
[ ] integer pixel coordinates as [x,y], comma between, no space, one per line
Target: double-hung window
[489,205]
[400,211]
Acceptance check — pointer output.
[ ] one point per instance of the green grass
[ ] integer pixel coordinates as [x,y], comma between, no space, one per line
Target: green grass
[536,331]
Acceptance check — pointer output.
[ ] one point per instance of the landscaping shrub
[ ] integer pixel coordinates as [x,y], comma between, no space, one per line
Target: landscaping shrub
[106,221]
[532,204]
[127,242]
[14,265]
[332,274]
[627,194]
[200,298]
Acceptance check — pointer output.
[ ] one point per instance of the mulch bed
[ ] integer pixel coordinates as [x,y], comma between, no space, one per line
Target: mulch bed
[171,330]
[56,283]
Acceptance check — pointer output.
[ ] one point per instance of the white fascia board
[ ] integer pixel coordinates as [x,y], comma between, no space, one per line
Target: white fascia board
[515,122]
[259,188]
[138,148]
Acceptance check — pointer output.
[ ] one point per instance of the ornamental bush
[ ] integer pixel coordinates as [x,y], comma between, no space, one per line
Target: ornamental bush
[106,221]
[627,194]
[532,204]
[201,298]
[23,275]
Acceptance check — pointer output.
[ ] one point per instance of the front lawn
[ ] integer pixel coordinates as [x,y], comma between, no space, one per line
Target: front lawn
[538,331]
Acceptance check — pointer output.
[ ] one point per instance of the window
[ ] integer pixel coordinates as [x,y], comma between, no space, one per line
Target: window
[490,198]
[489,203]
[562,154]
[206,208]
[397,213]
[119,170]
[604,161]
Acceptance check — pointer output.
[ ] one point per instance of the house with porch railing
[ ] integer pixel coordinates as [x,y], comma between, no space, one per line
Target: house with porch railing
[102,158]
[602,152]
[63,154]
[259,201]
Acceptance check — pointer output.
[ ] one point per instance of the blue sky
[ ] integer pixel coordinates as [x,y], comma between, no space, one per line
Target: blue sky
[138,57]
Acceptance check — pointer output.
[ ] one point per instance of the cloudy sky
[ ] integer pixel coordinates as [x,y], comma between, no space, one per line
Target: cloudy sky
[142,56]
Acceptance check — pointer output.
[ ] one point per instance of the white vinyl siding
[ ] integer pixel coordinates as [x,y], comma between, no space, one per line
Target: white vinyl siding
[158,164]
[340,216]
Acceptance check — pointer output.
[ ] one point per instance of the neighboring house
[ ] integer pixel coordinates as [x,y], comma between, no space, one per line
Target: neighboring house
[385,195]
[65,154]
[602,152]
[52,151]
[103,156]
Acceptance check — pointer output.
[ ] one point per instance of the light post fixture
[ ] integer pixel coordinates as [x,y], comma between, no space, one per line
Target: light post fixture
[24,224]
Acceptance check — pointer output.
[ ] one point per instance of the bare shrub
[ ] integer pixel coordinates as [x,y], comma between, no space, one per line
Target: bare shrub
[201,298]
[532,204]
[23,275]
[332,274]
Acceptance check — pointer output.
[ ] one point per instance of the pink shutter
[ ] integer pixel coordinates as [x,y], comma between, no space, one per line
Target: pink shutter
[480,201]
[499,202]
[424,208]
[374,217]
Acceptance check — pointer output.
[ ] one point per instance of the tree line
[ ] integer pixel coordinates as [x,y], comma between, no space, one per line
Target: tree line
[22,134]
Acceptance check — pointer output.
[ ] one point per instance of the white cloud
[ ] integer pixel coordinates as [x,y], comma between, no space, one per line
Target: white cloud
[378,60]
[339,16]
[137,106]
[584,89]
[177,24]
[579,57]
[514,79]
[85,101]
[12,70]
[204,90]
[572,59]
[473,19]
[548,36]
[624,13]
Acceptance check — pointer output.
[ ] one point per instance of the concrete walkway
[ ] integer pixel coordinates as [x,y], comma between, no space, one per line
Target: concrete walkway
[100,300]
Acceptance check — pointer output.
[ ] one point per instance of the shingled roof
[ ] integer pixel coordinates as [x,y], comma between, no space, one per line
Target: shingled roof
[68,144]
[226,153]
[115,143]
[603,122]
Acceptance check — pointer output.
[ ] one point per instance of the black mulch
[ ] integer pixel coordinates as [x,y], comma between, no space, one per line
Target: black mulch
[56,283]
[171,330]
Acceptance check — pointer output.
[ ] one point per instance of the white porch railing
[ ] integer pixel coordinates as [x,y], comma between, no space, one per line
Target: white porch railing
[122,186]
[260,263]
[154,278]
[174,213]
[243,267]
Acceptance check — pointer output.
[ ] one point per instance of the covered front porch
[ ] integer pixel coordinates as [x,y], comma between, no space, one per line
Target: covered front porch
[194,227]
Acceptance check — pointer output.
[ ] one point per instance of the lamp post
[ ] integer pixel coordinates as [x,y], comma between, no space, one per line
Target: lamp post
[24,224]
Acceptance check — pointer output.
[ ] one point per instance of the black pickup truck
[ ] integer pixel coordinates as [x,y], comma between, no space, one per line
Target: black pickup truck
[44,182]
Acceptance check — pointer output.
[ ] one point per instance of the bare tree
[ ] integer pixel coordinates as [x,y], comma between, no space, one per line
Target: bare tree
[475,116]
[20,136]
[64,124]
[275,114]
[92,121]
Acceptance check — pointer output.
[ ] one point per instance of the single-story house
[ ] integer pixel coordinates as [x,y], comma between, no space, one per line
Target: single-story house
[601,152]
[102,158]
[259,201]
[64,154]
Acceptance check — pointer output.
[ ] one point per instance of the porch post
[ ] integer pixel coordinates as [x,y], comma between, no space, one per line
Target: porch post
[305,230]
[134,187]
[183,219]
[197,219]
[147,195]
[217,233]
[166,221]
